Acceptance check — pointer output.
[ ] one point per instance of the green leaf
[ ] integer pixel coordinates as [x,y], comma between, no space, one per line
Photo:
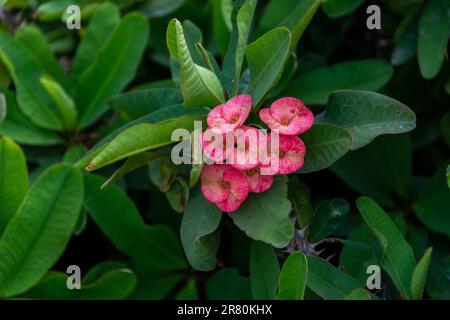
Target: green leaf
[139,138]
[3,107]
[178,195]
[398,258]
[293,277]
[44,223]
[13,180]
[74,153]
[221,24]
[266,58]
[358,294]
[189,292]
[339,8]
[327,217]
[64,103]
[241,17]
[155,246]
[160,8]
[329,282]
[433,201]
[199,232]
[419,276]
[168,113]
[112,285]
[389,159]
[265,216]
[32,99]
[138,103]
[325,144]
[406,39]
[367,115]
[105,18]
[300,196]
[264,271]
[19,128]
[227,284]
[32,38]
[53,10]
[199,86]
[314,87]
[112,69]
[434,31]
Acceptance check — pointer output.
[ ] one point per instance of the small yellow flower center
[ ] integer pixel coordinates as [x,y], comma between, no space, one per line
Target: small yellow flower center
[251,172]
[235,118]
[285,122]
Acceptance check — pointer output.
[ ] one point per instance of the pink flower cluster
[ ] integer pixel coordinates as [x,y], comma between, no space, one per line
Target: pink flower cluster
[236,170]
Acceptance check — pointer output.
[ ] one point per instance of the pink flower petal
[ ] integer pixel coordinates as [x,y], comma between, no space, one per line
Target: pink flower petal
[257,182]
[239,189]
[246,154]
[214,146]
[229,116]
[292,154]
[212,183]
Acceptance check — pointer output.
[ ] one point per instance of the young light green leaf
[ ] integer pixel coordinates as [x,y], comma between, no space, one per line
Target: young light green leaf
[32,38]
[156,247]
[293,277]
[53,9]
[112,69]
[419,275]
[199,86]
[44,222]
[241,17]
[366,115]
[105,18]
[140,138]
[265,216]
[13,180]
[64,103]
[22,130]
[32,99]
[432,203]
[266,58]
[398,258]
[314,87]
[228,284]
[434,31]
[329,282]
[199,232]
[325,143]
[264,271]
[339,8]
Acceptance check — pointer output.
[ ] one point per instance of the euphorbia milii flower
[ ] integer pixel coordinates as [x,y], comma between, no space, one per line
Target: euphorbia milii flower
[291,154]
[248,147]
[257,182]
[215,146]
[225,186]
[288,116]
[231,115]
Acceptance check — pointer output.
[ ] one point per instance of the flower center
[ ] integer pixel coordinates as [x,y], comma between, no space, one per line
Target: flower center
[251,172]
[285,122]
[225,185]
[282,154]
[235,118]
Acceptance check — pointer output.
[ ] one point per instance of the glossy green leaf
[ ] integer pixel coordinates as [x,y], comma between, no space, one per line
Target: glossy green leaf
[406,37]
[26,71]
[64,103]
[293,277]
[53,10]
[74,153]
[105,18]
[314,87]
[178,195]
[199,86]
[325,144]
[160,8]
[222,25]
[327,217]
[22,130]
[366,115]
[3,107]
[264,271]
[241,18]
[228,284]
[32,38]
[266,58]
[138,103]
[419,276]
[329,282]
[112,69]
[39,232]
[434,31]
[358,294]
[140,138]
[199,232]
[156,247]
[112,285]
[13,180]
[265,216]
[432,203]
[339,8]
[300,196]
[398,258]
